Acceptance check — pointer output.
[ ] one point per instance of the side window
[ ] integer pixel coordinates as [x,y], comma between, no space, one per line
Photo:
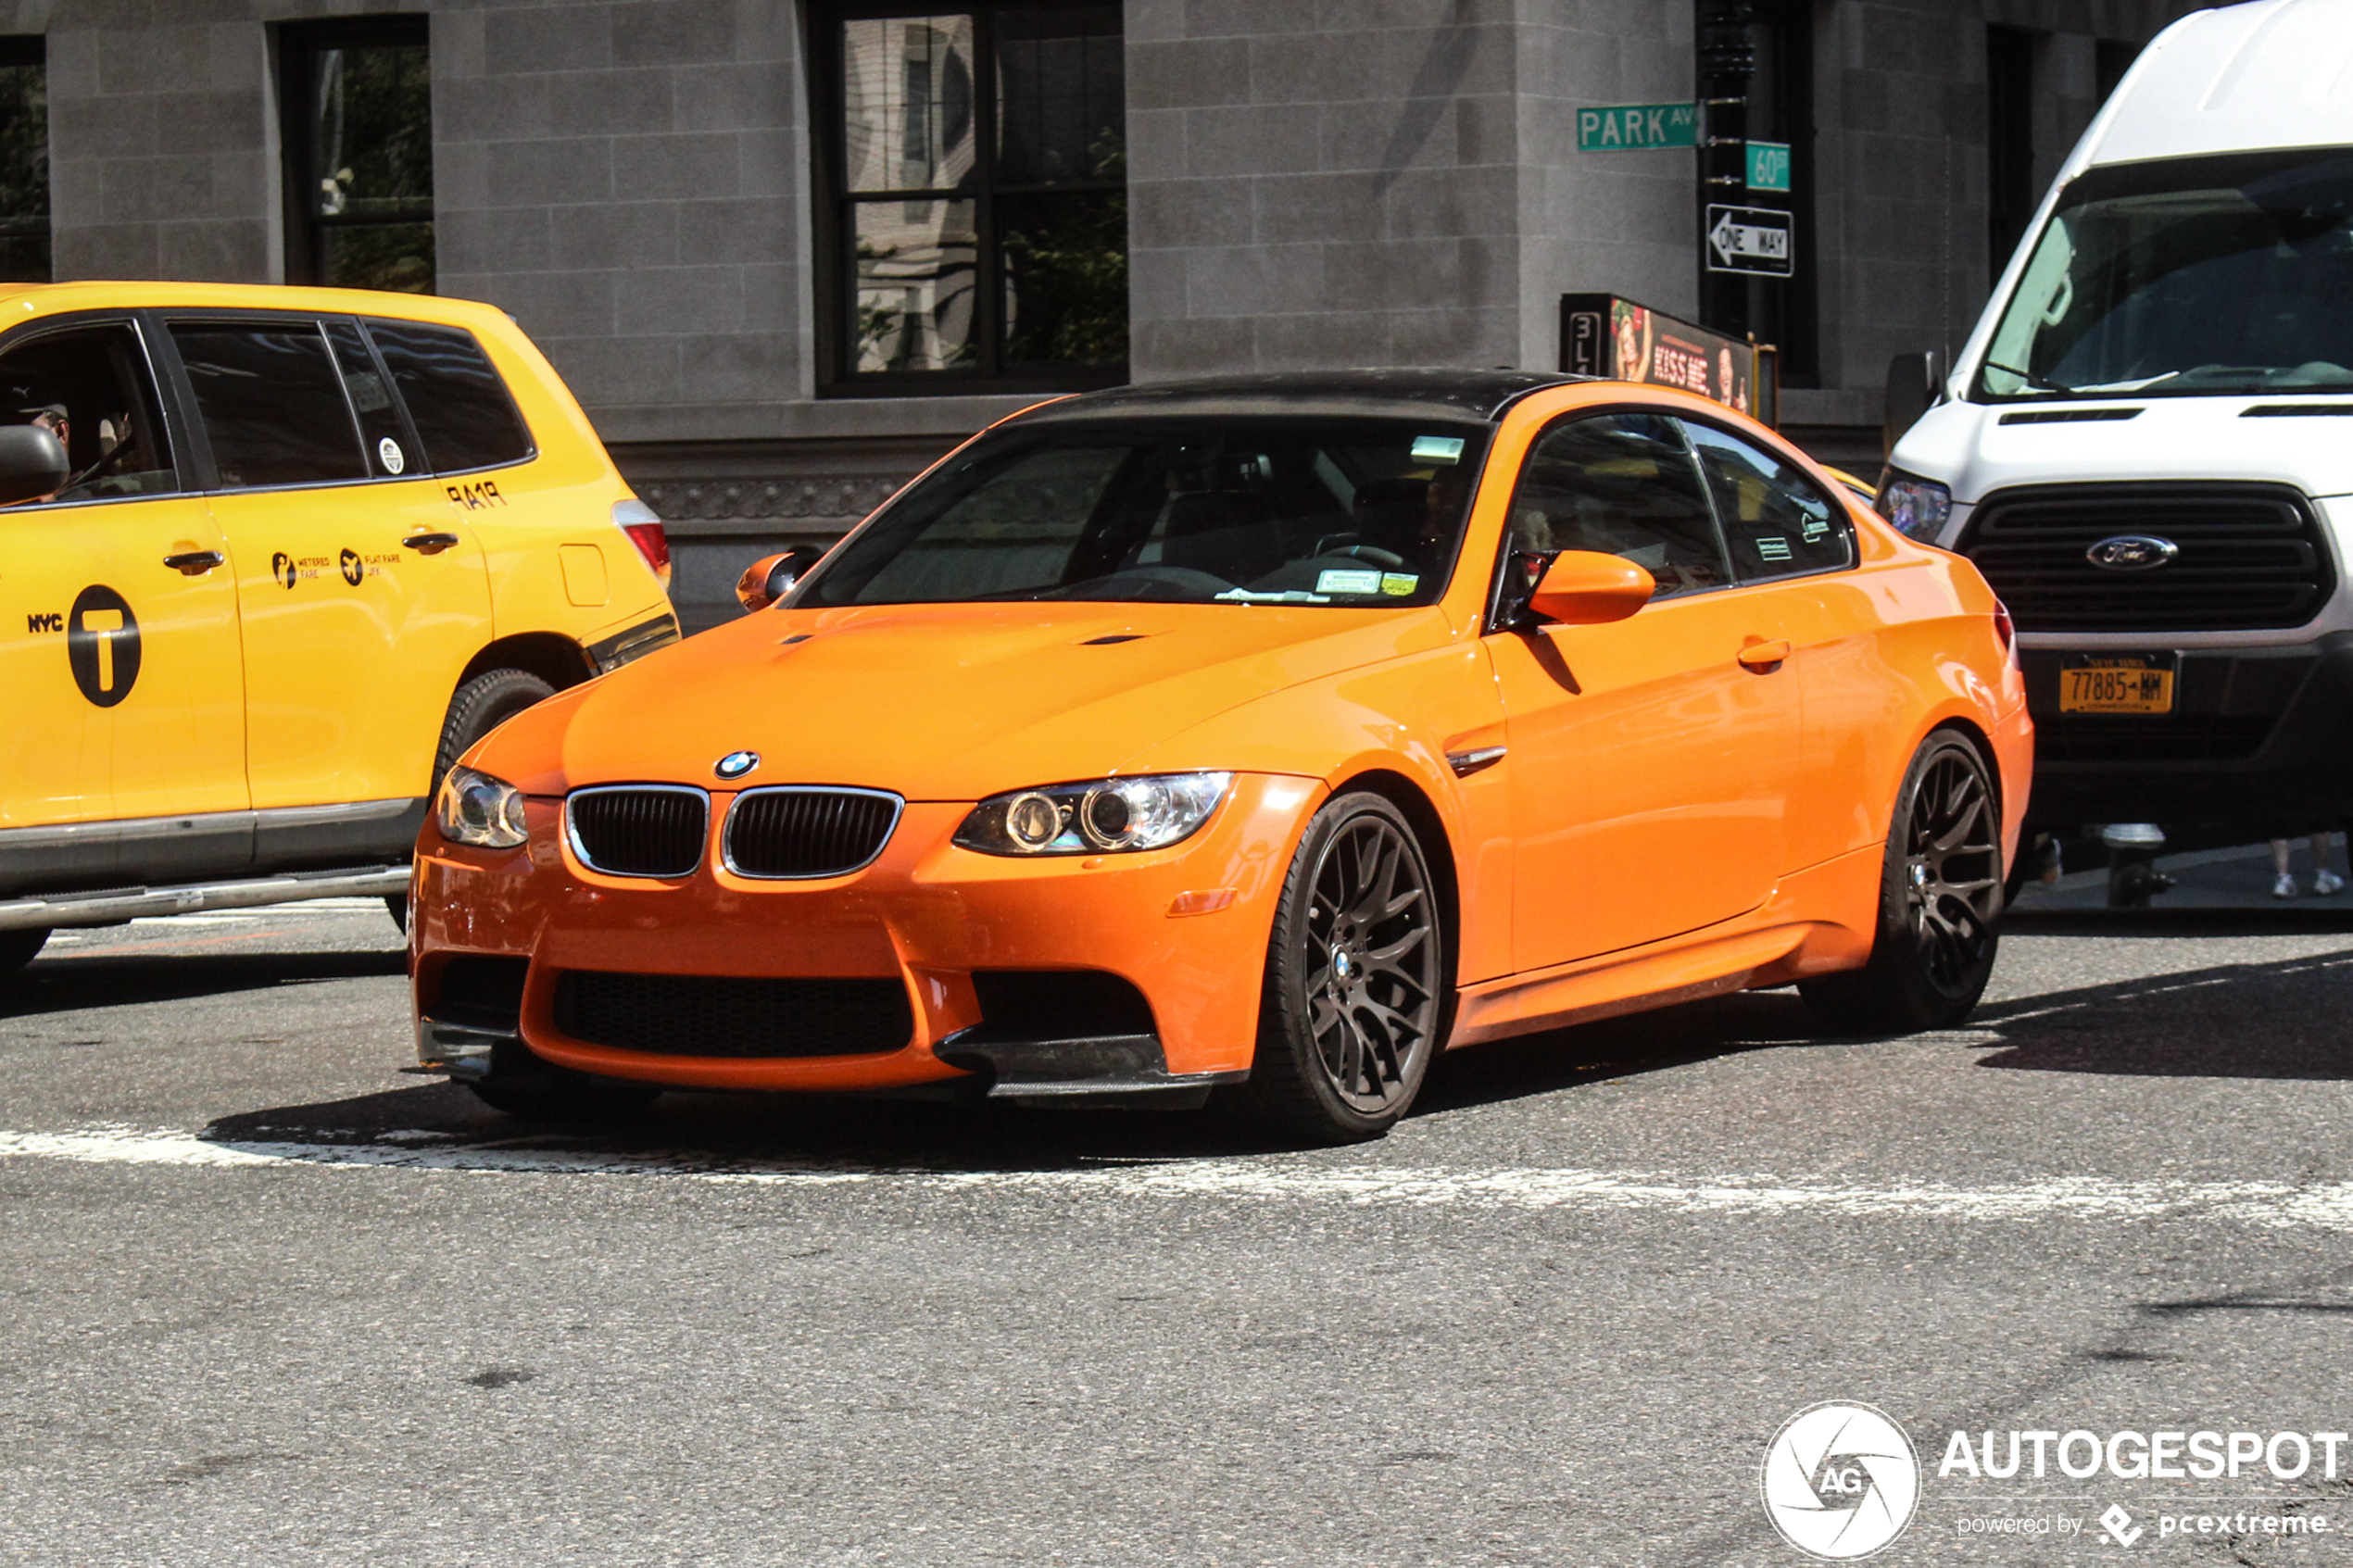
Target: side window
[272,402]
[90,385]
[382,436]
[1777,523]
[460,407]
[1622,484]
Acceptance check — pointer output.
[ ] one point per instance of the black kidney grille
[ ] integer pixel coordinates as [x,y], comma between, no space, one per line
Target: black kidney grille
[2251,557]
[806,833]
[703,1015]
[637,831]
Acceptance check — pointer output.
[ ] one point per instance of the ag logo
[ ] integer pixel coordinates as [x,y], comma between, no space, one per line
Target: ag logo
[282,567]
[102,645]
[1840,1481]
[352,570]
[736,764]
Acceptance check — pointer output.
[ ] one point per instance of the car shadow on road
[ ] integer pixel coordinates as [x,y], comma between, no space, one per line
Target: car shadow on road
[2279,1019]
[131,978]
[440,1120]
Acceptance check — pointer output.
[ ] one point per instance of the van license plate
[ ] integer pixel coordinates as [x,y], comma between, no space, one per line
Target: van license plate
[2125,683]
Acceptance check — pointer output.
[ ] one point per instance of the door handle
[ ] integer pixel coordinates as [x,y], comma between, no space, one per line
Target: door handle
[1763,659]
[196,563]
[429,543]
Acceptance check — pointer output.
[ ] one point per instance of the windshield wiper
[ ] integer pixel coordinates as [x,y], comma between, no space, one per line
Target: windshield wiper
[2030,378]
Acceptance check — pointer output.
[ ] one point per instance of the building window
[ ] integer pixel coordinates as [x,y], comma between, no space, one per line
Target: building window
[358,151]
[2010,195]
[976,197]
[24,161]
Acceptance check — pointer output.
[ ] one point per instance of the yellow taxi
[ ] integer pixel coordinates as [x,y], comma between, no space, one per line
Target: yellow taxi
[270,559]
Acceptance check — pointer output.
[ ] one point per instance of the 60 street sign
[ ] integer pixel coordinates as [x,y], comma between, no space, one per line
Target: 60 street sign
[1750,238]
[1634,128]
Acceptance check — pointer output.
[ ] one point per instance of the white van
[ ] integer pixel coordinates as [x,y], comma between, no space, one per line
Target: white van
[2147,445]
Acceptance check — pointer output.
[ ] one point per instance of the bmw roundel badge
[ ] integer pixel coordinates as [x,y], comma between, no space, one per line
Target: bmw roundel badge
[736,764]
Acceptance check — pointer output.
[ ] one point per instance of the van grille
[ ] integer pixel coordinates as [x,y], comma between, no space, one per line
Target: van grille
[712,1015]
[639,830]
[2252,557]
[808,833]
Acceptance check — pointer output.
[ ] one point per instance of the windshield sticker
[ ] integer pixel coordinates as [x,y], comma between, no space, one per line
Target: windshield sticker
[1288,597]
[1773,547]
[1399,584]
[1348,581]
[1437,448]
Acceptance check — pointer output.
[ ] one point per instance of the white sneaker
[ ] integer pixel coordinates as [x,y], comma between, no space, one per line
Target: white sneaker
[2325,882]
[2285,887]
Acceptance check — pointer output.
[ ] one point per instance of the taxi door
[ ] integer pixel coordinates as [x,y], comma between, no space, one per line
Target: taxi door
[1651,757]
[119,650]
[362,592]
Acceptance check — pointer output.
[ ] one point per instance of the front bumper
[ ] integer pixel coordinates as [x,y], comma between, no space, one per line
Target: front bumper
[2258,733]
[925,915]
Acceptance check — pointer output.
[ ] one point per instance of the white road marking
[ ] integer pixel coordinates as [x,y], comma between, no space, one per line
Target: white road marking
[1276,1179]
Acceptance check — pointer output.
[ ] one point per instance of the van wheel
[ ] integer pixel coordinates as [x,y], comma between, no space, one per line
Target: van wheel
[16,948]
[1348,1017]
[1940,895]
[481,706]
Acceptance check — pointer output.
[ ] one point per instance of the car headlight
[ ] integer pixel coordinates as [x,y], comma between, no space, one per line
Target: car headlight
[1917,506]
[478,809]
[1150,811]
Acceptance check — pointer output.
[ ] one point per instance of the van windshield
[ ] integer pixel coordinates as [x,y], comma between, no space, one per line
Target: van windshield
[1352,512]
[2188,276]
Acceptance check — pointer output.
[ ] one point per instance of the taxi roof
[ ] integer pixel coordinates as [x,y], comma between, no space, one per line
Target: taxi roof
[22,300]
[1474,395]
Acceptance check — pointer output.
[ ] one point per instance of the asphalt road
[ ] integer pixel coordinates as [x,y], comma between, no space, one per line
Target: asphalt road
[265,1301]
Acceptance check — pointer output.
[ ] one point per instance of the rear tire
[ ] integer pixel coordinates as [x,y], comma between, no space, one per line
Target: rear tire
[481,706]
[17,948]
[1355,982]
[1940,896]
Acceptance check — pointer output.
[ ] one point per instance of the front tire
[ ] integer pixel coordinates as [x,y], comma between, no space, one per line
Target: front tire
[1355,981]
[1940,895]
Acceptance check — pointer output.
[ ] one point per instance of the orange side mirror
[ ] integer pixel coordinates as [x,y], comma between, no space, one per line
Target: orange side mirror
[1586,588]
[770,577]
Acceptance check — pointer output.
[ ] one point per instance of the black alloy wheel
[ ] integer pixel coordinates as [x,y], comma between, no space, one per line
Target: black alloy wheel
[1940,898]
[1951,870]
[1354,979]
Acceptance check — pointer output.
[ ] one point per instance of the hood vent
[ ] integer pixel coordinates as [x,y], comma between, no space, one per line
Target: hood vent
[2068,416]
[2294,410]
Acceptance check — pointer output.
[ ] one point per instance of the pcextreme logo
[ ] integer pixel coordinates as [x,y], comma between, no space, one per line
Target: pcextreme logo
[1840,1481]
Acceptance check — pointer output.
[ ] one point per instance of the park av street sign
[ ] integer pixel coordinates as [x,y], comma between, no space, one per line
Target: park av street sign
[1750,238]
[1637,127]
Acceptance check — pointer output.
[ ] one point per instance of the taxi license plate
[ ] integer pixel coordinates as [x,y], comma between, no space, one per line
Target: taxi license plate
[2128,683]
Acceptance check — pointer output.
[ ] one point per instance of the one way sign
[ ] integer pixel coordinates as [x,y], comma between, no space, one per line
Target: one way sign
[1750,238]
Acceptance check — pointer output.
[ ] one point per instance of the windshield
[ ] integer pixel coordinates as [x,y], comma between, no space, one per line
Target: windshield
[2188,276]
[1307,511]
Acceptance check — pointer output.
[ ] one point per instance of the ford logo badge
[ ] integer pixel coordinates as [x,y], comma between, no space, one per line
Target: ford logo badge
[2132,552]
[736,764]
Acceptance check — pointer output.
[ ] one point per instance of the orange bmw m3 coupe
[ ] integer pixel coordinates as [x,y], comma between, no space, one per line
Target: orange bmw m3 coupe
[1265,736]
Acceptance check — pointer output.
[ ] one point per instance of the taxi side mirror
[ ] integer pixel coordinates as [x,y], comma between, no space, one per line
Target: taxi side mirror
[1587,588]
[770,577]
[32,463]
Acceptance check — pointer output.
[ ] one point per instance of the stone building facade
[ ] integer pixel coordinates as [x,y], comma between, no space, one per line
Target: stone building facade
[646,185]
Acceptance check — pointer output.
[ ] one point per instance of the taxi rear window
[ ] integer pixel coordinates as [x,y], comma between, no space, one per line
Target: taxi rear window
[272,404]
[460,407]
